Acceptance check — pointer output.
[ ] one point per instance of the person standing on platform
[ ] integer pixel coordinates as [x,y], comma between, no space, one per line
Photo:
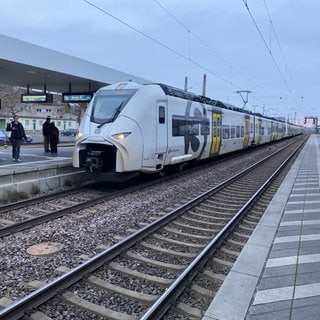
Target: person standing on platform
[46,134]
[17,135]
[54,138]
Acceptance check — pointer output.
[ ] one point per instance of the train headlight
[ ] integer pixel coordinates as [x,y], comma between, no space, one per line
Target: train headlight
[79,134]
[121,135]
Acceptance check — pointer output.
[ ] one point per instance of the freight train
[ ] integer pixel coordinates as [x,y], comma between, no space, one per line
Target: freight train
[130,128]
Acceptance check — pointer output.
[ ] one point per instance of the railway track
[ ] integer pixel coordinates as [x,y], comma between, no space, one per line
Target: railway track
[142,276]
[28,213]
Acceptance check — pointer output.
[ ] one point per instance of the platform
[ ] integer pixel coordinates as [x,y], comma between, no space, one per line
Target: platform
[277,275]
[37,171]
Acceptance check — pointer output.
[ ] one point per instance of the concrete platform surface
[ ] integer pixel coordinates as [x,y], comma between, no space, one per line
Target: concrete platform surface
[37,170]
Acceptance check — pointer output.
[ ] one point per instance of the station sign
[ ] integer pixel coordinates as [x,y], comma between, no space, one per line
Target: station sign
[77,97]
[37,98]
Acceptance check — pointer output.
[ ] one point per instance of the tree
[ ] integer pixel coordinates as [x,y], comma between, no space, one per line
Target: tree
[10,100]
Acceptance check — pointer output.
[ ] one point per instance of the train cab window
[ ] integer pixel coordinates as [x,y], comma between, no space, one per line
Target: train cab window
[242,131]
[162,114]
[105,108]
[107,105]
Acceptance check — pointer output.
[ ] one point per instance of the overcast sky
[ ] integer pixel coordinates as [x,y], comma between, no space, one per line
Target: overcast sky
[269,47]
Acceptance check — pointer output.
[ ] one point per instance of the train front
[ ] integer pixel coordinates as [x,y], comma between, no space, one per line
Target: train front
[107,137]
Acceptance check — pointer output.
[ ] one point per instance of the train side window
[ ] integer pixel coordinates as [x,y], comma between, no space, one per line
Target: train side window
[193,126]
[162,114]
[225,132]
[238,131]
[205,127]
[233,132]
[178,126]
[242,131]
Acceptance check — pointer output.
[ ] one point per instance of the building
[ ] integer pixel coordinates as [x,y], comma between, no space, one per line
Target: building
[32,115]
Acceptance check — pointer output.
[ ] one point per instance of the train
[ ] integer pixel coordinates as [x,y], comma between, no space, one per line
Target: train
[130,129]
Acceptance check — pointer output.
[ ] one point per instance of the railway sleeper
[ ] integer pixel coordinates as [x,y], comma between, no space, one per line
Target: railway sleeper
[96,309]
[192,313]
[168,266]
[162,282]
[188,235]
[198,290]
[258,211]
[230,252]
[6,222]
[210,216]
[220,202]
[242,235]
[143,297]
[206,223]
[219,207]
[5,302]
[222,262]
[179,243]
[187,226]
[245,228]
[222,213]
[236,243]
[212,275]
[250,222]
[240,197]
[179,254]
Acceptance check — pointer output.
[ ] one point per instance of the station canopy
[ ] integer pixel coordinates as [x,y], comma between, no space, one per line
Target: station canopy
[26,65]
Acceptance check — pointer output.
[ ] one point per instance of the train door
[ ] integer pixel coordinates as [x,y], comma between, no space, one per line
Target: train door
[272,131]
[216,138]
[161,133]
[259,131]
[246,131]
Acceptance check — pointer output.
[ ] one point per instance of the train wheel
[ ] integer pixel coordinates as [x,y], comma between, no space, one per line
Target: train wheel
[180,167]
[163,172]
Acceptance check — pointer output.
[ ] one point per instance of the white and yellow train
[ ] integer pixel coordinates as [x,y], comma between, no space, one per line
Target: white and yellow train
[130,128]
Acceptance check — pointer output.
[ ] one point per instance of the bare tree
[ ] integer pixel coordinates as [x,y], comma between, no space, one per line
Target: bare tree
[10,100]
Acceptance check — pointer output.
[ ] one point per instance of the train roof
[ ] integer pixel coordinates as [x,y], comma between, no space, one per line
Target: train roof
[175,92]
[172,91]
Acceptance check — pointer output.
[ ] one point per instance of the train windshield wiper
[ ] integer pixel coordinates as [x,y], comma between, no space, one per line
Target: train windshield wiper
[113,117]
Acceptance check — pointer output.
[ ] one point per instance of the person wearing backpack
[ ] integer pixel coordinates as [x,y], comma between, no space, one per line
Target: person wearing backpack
[54,138]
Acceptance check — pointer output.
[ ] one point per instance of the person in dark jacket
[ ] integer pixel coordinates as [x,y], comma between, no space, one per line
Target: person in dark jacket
[54,138]
[46,134]
[17,135]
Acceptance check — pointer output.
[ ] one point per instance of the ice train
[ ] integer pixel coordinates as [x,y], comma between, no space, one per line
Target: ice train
[130,128]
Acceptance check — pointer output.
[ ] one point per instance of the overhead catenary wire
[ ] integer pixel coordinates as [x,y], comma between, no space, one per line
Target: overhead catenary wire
[280,47]
[188,55]
[269,50]
[215,52]
[162,44]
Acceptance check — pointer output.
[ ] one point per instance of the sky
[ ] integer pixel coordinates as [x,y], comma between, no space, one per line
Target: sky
[262,55]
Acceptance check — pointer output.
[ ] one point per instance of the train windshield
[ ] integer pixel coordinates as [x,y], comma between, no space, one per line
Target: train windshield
[108,104]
